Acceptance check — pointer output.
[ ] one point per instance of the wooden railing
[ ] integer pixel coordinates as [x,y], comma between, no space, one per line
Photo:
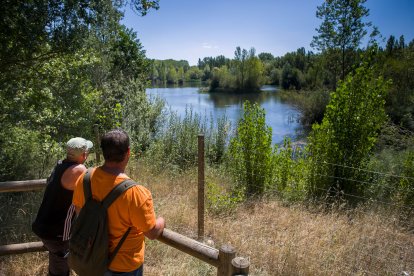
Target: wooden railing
[22,186]
[224,259]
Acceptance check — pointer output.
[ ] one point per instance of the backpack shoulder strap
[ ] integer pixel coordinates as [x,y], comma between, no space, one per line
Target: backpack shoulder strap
[87,190]
[107,201]
[118,246]
[117,191]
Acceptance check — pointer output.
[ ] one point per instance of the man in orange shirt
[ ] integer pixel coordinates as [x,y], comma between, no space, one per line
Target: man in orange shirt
[133,209]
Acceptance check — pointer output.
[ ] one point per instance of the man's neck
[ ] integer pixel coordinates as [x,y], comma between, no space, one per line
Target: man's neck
[73,160]
[113,168]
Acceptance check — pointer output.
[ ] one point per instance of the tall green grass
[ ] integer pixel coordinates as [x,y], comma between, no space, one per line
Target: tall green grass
[175,146]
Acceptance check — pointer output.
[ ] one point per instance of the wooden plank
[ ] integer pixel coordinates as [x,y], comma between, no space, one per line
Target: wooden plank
[192,247]
[19,248]
[21,186]
[171,238]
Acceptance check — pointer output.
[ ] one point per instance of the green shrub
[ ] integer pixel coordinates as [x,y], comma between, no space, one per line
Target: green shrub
[311,104]
[141,116]
[219,200]
[383,172]
[405,195]
[347,134]
[26,154]
[288,172]
[250,151]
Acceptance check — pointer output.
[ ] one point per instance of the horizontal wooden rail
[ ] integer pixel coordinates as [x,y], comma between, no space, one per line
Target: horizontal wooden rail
[192,247]
[171,238]
[22,186]
[19,248]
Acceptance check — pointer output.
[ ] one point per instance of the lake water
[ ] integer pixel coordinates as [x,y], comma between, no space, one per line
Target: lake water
[281,117]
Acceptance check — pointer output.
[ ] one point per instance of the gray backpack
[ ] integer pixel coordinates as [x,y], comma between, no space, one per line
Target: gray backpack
[88,245]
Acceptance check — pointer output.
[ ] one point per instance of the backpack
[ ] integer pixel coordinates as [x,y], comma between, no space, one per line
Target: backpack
[88,245]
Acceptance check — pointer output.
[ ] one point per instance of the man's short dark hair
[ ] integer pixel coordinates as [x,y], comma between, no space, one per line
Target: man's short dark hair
[115,145]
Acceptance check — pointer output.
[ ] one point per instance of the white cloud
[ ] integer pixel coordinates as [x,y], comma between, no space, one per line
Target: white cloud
[207,45]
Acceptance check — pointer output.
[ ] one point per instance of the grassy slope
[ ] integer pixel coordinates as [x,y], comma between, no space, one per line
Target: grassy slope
[278,239]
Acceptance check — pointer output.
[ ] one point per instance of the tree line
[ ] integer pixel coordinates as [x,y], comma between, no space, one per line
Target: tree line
[310,76]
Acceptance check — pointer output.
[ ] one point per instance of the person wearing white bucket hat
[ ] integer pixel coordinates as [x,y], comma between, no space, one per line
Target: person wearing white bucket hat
[52,223]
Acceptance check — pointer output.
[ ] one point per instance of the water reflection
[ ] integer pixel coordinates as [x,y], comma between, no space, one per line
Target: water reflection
[281,117]
[225,100]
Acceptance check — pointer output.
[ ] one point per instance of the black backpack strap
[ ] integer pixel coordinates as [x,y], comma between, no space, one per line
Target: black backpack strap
[117,191]
[118,246]
[87,190]
[107,201]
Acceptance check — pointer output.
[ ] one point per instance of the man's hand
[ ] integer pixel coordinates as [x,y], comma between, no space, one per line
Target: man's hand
[157,230]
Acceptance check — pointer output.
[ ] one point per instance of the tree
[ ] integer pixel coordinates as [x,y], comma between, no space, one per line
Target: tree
[59,61]
[347,134]
[180,75]
[341,30]
[154,73]
[391,45]
[266,57]
[206,72]
[291,77]
[401,43]
[240,57]
[254,73]
[250,151]
[35,31]
[127,55]
[193,74]
[400,101]
[172,75]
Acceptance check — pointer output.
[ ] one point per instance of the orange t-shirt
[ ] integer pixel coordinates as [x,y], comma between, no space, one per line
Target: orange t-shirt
[133,209]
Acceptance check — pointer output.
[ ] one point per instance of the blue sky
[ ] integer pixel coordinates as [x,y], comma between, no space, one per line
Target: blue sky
[192,29]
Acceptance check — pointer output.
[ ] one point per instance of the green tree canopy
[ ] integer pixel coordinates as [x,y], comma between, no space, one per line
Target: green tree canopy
[347,134]
[341,30]
[64,65]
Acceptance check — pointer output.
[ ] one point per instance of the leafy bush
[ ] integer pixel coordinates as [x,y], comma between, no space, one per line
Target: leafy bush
[26,154]
[347,134]
[219,200]
[390,181]
[312,104]
[141,116]
[405,195]
[382,174]
[250,151]
[291,78]
[288,172]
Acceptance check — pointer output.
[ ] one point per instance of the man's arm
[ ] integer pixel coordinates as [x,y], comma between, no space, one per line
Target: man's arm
[77,210]
[70,176]
[156,231]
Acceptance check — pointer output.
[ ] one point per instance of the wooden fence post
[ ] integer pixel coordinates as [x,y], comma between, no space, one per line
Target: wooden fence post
[240,266]
[97,144]
[200,187]
[226,255]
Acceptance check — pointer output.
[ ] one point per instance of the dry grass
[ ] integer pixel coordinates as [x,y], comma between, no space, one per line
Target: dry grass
[278,239]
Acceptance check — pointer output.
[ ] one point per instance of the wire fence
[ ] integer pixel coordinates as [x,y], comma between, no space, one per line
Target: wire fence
[366,170]
[296,182]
